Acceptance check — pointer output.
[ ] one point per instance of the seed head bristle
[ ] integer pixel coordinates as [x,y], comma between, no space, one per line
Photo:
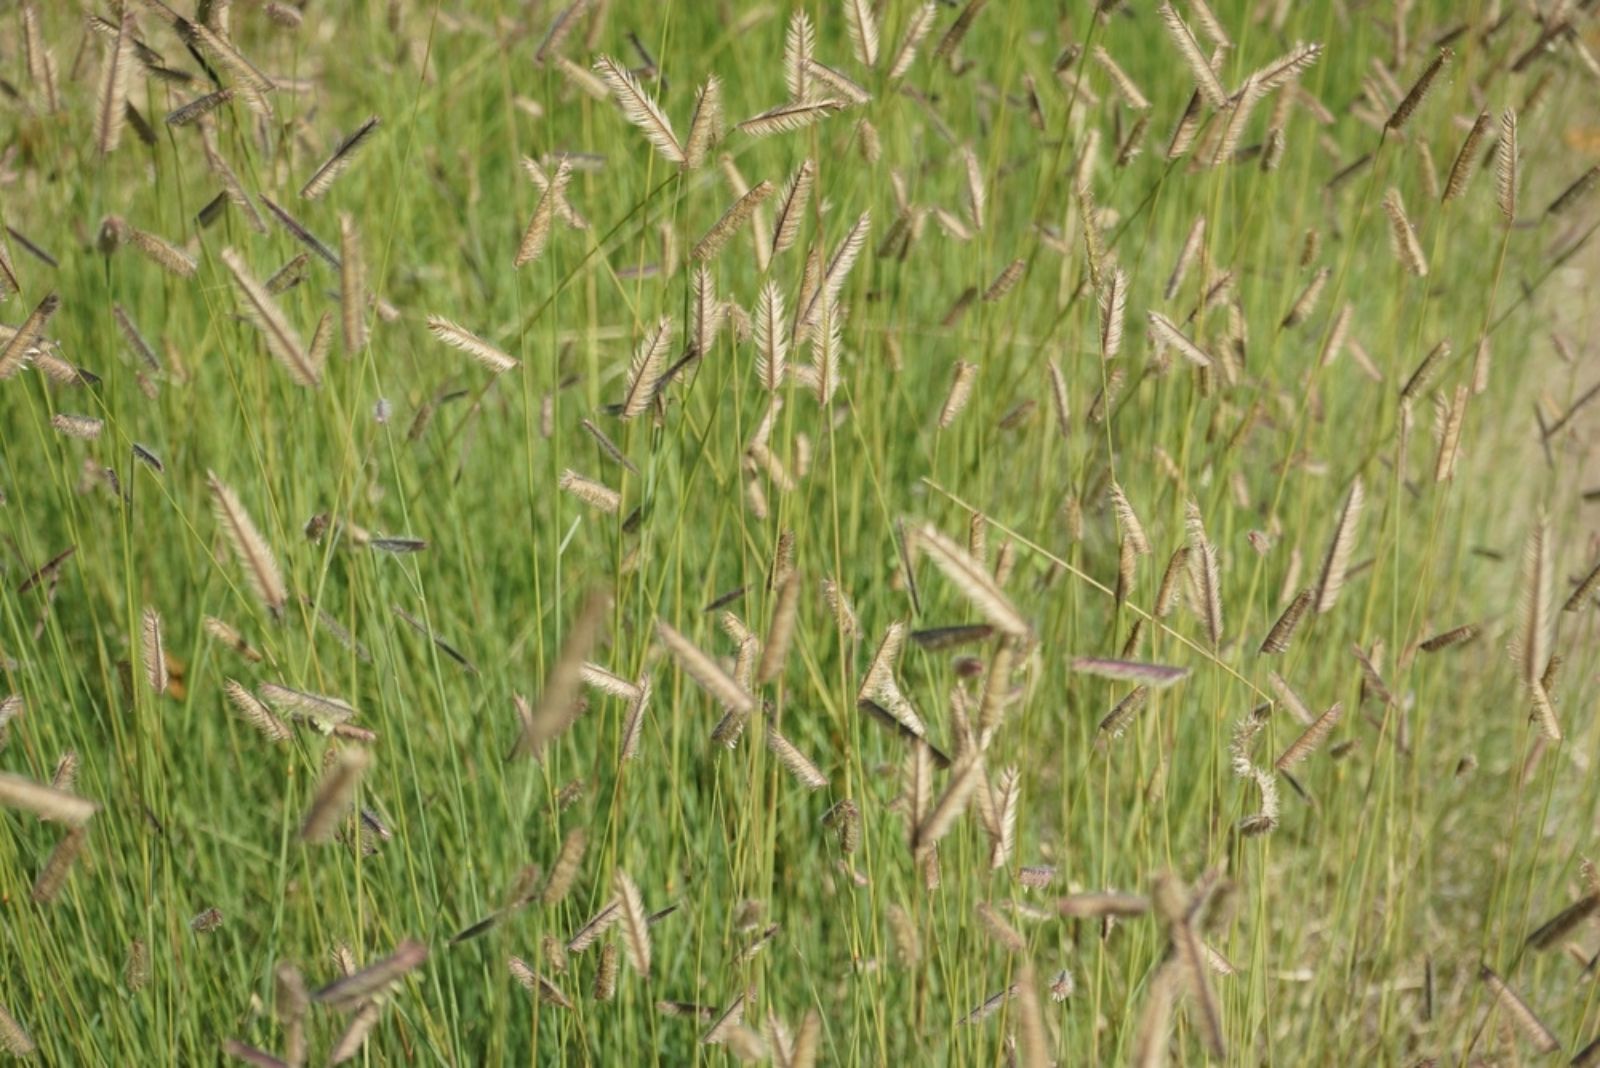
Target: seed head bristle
[1336,562]
[639,108]
[249,547]
[1419,89]
[1507,177]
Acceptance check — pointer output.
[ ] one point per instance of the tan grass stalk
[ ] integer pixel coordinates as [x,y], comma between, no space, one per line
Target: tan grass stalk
[351,990]
[228,635]
[640,109]
[249,547]
[85,427]
[1311,738]
[1449,423]
[1586,585]
[644,374]
[155,655]
[14,1038]
[802,767]
[356,1031]
[705,126]
[1058,399]
[1532,645]
[1289,699]
[861,23]
[565,869]
[231,185]
[772,338]
[1192,245]
[705,671]
[256,713]
[916,31]
[563,207]
[1103,903]
[1419,89]
[838,269]
[788,118]
[972,580]
[1128,521]
[1237,117]
[1005,281]
[726,1021]
[281,338]
[958,29]
[1199,64]
[1277,639]
[996,691]
[21,344]
[1461,171]
[737,214]
[1188,128]
[1125,86]
[792,207]
[961,384]
[1336,562]
[558,704]
[799,42]
[1306,303]
[1455,636]
[1154,676]
[339,161]
[595,494]
[46,802]
[1004,935]
[607,682]
[8,274]
[352,286]
[635,926]
[1402,238]
[561,28]
[1007,802]
[584,80]
[977,189]
[534,982]
[1116,721]
[780,632]
[111,107]
[1170,588]
[53,876]
[1522,1016]
[537,236]
[334,794]
[159,251]
[1507,177]
[1113,309]
[1204,574]
[964,779]
[255,85]
[1287,68]
[1581,187]
[594,927]
[40,63]
[706,312]
[1166,332]
[1564,922]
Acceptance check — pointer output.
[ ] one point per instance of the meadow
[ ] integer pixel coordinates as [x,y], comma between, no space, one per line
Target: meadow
[818,533]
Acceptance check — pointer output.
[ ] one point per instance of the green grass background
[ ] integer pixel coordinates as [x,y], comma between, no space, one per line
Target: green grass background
[1395,860]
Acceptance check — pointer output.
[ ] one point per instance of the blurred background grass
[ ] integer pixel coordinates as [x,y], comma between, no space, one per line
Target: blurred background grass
[1399,862]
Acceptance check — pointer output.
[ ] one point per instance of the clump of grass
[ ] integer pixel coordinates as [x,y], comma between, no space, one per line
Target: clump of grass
[862,709]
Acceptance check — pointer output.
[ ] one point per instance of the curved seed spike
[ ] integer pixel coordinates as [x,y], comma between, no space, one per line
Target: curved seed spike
[1336,562]
[640,109]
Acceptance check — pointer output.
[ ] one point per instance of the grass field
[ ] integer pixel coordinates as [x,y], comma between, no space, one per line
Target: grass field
[1083,563]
